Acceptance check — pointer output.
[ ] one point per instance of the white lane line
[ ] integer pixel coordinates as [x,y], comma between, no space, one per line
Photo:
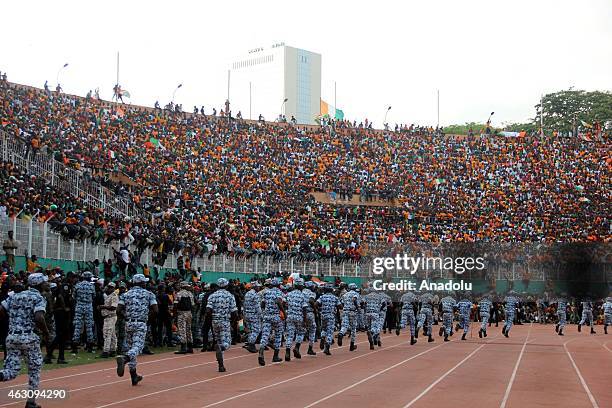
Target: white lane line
[584,384]
[373,375]
[92,372]
[301,375]
[194,383]
[516,366]
[123,380]
[433,384]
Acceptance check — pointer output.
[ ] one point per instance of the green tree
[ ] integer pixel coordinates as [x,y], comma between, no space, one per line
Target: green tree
[566,110]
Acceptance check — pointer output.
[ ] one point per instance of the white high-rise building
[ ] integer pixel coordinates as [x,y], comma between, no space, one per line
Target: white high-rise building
[263,78]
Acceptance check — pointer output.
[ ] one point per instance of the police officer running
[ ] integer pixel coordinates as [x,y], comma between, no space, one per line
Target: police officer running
[26,310]
[328,304]
[407,302]
[221,307]
[350,306]
[296,315]
[310,323]
[272,305]
[485,305]
[135,304]
[84,293]
[252,315]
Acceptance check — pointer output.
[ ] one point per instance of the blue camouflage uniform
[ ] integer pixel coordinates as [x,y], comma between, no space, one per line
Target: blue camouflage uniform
[21,340]
[252,314]
[448,310]
[465,307]
[484,307]
[296,305]
[222,304]
[561,314]
[587,313]
[426,313]
[328,304]
[407,314]
[84,293]
[310,324]
[511,304]
[607,307]
[349,312]
[136,302]
[382,314]
[373,304]
[271,318]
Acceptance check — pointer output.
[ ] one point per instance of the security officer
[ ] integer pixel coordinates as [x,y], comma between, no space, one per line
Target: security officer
[120,327]
[221,307]
[607,307]
[561,314]
[61,317]
[448,304]
[135,304]
[425,316]
[296,315]
[206,320]
[252,315]
[84,293]
[310,324]
[373,305]
[329,306]
[25,310]
[407,305]
[587,315]
[485,305]
[465,308]
[350,306]
[109,314]
[183,303]
[512,302]
[272,305]
[382,315]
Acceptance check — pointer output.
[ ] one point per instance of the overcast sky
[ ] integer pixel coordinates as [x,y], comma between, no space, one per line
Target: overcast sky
[482,55]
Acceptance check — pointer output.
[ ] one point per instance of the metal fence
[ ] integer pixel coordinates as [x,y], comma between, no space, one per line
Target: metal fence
[39,239]
[68,179]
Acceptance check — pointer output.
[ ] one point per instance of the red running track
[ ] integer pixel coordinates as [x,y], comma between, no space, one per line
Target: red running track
[532,368]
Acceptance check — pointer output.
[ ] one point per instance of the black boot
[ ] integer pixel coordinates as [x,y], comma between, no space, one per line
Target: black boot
[557,328]
[506,332]
[560,332]
[378,340]
[104,355]
[416,333]
[135,377]
[261,359]
[463,336]
[75,348]
[251,348]
[89,348]
[326,351]
[31,404]
[146,350]
[484,333]
[579,327]
[605,328]
[413,340]
[219,354]
[446,337]
[48,359]
[340,335]
[275,357]
[322,343]
[205,348]
[311,352]
[353,347]
[371,341]
[593,331]
[441,331]
[296,351]
[430,339]
[397,331]
[112,353]
[189,348]
[287,354]
[183,349]
[121,361]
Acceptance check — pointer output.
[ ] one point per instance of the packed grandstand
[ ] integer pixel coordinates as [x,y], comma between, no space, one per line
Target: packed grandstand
[216,184]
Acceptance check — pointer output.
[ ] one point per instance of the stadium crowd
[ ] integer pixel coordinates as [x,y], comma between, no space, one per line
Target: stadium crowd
[216,184]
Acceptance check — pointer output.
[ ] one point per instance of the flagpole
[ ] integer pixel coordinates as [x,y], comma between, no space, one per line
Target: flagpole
[250,101]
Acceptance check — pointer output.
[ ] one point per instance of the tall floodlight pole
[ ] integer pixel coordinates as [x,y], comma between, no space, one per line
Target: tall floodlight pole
[250,100]
[58,73]
[387,111]
[176,89]
[438,126]
[117,68]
